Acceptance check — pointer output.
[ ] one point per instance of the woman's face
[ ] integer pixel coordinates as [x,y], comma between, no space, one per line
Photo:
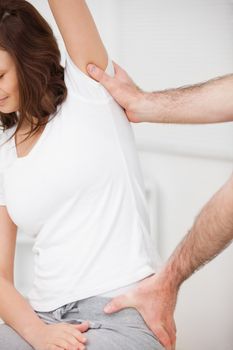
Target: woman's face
[9,91]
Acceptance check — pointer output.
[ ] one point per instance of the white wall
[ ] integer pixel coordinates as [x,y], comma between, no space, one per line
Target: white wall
[168,43]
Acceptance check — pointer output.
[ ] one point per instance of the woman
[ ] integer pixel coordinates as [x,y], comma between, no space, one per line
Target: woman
[75,185]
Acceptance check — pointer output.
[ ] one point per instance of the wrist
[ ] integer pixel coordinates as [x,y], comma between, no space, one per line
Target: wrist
[30,333]
[168,280]
[163,291]
[135,105]
[148,107]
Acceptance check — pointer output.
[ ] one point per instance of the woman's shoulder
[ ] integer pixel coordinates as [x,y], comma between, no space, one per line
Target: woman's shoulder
[82,85]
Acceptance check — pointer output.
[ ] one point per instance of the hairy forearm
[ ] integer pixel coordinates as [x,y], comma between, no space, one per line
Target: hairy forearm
[16,311]
[208,102]
[212,231]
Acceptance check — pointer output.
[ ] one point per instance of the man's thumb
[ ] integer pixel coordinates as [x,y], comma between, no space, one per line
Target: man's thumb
[116,304]
[95,72]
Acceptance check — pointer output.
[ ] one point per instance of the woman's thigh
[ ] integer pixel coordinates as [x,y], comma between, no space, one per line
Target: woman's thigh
[120,338]
[123,330]
[11,340]
[103,338]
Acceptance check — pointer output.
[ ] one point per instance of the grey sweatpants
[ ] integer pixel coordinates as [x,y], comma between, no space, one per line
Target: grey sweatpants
[123,330]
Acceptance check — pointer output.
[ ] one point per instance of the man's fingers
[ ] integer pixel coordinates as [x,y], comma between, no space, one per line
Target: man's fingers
[173,340]
[163,337]
[172,333]
[117,68]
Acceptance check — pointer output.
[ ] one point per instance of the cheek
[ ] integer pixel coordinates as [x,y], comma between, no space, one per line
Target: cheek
[11,85]
[14,87]
[13,92]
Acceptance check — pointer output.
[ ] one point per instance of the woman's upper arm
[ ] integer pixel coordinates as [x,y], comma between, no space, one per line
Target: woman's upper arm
[8,233]
[79,33]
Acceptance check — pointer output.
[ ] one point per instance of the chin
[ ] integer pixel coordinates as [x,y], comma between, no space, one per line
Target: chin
[7,110]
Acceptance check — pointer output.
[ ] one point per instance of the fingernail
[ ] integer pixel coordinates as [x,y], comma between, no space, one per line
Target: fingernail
[91,68]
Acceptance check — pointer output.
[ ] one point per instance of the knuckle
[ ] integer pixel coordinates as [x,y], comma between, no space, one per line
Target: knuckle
[77,334]
[72,341]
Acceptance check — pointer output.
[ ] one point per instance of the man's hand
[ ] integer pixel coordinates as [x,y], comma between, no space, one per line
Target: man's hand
[123,90]
[156,303]
[208,102]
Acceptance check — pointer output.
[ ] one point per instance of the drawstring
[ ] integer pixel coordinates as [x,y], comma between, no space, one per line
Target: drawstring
[59,314]
[61,311]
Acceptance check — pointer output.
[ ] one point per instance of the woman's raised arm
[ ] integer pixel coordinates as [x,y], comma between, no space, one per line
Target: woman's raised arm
[79,32]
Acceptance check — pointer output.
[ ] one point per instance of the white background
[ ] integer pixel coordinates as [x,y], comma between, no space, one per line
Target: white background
[162,44]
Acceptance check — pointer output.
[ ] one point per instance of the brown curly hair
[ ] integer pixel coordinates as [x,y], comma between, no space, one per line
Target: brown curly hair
[30,41]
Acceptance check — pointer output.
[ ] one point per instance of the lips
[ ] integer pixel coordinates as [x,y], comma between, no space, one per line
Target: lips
[3,98]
